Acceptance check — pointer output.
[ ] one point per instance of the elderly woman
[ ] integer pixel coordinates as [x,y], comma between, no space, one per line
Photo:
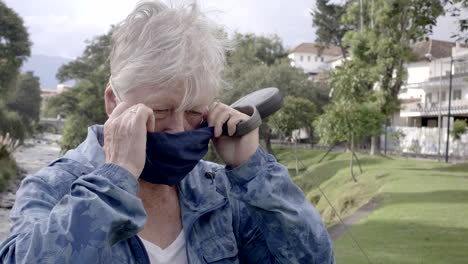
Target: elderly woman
[132,192]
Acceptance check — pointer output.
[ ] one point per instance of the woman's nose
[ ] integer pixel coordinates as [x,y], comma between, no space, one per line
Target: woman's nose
[176,122]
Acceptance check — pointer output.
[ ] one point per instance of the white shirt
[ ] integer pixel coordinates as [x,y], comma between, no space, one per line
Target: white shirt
[174,254]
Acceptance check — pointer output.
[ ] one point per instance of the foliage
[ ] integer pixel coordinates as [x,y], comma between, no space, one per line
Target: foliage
[459,128]
[327,19]
[456,8]
[7,145]
[251,49]
[26,99]
[11,122]
[395,137]
[289,80]
[379,38]
[14,47]
[384,42]
[296,113]
[259,62]
[84,104]
[355,109]
[344,122]
[8,170]
[63,104]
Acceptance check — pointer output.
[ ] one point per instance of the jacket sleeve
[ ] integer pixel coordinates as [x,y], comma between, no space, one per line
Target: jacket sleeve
[61,218]
[277,223]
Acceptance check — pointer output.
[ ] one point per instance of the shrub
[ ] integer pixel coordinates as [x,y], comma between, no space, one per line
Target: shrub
[459,128]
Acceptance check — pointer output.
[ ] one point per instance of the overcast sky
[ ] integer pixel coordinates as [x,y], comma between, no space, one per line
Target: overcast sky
[60,27]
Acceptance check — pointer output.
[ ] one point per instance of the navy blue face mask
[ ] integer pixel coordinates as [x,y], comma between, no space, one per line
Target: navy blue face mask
[170,157]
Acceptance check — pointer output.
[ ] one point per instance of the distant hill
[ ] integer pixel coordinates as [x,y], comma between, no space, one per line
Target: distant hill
[45,67]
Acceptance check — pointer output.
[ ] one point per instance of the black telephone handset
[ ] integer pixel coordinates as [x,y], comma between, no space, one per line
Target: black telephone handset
[258,105]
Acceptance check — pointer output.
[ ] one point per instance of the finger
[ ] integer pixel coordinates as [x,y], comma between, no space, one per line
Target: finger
[144,116]
[150,122]
[233,122]
[210,115]
[223,119]
[119,109]
[218,116]
[215,112]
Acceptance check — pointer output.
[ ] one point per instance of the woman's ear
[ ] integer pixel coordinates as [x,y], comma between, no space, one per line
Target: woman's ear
[109,99]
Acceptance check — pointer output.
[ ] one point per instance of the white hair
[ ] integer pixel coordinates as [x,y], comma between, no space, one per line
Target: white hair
[158,45]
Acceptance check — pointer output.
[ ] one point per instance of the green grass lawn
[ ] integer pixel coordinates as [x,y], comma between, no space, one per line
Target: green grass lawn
[422,216]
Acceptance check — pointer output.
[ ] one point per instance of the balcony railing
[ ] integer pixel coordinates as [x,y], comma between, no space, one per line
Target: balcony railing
[432,109]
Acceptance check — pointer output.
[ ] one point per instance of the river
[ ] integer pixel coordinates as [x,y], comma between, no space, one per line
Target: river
[35,154]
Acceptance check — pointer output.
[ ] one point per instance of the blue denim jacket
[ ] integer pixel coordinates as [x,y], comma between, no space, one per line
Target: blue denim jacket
[80,209]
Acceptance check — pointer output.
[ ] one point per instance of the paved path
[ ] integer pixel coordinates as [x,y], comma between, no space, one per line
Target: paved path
[32,156]
[340,229]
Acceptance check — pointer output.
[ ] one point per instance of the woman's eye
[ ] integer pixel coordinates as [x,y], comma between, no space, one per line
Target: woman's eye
[160,113]
[192,113]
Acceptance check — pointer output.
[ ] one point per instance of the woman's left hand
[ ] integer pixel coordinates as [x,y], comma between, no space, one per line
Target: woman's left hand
[232,150]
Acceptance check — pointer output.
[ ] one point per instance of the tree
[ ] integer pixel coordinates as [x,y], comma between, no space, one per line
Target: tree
[63,104]
[379,34]
[10,122]
[296,113]
[26,99]
[92,72]
[327,19]
[459,128]
[382,41]
[289,80]
[354,112]
[456,9]
[259,62]
[14,47]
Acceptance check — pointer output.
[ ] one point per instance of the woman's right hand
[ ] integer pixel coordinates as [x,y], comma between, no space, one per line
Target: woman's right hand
[125,136]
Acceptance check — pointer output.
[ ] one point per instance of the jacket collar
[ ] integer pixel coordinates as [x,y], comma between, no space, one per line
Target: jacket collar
[90,152]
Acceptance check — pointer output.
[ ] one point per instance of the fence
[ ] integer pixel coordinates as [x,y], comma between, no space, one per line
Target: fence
[425,141]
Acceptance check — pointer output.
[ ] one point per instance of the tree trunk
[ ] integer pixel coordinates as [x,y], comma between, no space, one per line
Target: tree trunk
[328,151]
[295,154]
[375,146]
[265,133]
[351,167]
[358,162]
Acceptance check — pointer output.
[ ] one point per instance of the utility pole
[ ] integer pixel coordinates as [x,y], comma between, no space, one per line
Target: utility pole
[448,114]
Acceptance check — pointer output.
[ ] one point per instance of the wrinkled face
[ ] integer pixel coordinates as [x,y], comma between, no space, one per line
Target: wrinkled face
[165,104]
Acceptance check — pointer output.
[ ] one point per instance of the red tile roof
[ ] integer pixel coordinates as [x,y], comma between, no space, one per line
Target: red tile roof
[315,49]
[438,49]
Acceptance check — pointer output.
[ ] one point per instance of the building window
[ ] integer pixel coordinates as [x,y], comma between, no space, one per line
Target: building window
[321,59]
[443,96]
[316,58]
[428,99]
[457,95]
[308,58]
[302,58]
[461,68]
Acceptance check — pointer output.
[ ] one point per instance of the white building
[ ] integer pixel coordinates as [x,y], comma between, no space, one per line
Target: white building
[48,93]
[425,98]
[427,86]
[312,59]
